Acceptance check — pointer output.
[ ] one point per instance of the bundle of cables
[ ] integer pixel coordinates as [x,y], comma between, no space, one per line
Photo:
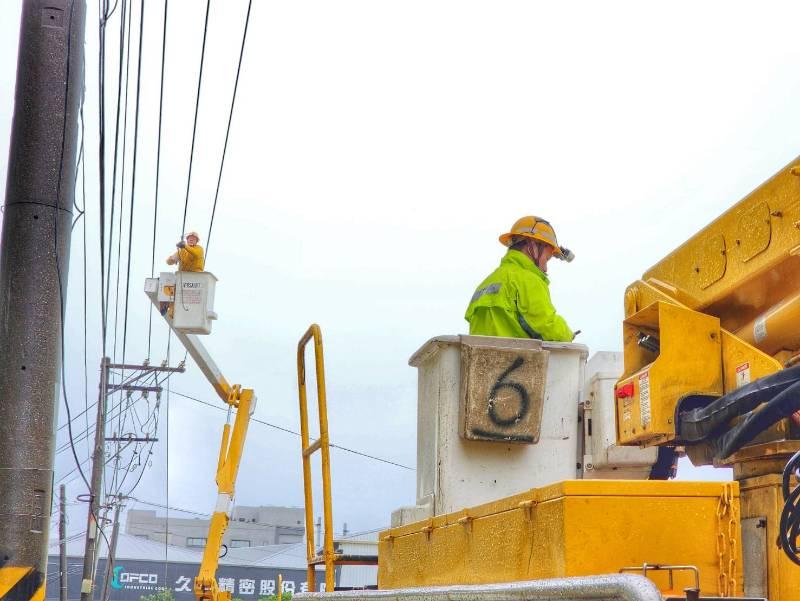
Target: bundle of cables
[790,516]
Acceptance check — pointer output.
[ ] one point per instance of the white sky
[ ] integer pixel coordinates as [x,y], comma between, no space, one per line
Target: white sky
[377,150]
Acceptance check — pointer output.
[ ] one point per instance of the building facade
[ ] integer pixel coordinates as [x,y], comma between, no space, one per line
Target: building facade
[248,527]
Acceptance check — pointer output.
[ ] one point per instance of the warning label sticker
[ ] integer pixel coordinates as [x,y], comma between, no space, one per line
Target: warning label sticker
[644,398]
[627,403]
[191,297]
[742,374]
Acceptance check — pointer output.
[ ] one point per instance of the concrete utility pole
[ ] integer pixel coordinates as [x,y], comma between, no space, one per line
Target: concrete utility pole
[93,529]
[96,492]
[62,541]
[34,254]
[112,551]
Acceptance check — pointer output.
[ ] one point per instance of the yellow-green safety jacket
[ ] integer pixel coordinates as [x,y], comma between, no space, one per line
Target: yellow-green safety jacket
[190,258]
[514,302]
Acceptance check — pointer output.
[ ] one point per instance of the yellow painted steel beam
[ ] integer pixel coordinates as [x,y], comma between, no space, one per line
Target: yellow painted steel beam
[740,265]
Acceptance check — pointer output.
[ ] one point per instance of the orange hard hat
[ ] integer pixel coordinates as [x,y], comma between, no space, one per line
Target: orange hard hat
[538,229]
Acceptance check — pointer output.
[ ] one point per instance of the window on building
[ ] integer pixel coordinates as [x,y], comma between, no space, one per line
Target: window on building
[236,543]
[195,542]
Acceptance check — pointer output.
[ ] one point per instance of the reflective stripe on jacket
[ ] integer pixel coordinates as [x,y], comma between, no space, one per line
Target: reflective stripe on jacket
[514,302]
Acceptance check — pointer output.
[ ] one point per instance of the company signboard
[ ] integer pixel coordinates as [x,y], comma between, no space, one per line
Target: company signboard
[132,579]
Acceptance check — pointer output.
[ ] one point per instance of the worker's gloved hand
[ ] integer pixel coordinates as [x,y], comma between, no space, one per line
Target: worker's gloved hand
[181,244]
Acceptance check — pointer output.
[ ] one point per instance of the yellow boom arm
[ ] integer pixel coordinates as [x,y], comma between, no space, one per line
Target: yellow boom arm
[230,454]
[243,402]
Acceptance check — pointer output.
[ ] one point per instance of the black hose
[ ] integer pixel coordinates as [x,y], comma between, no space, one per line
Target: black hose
[781,406]
[701,423]
[790,516]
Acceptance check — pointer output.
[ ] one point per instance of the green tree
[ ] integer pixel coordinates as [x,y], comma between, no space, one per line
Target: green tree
[287,596]
[165,595]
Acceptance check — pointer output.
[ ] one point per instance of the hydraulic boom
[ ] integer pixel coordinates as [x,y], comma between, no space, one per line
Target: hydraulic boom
[243,402]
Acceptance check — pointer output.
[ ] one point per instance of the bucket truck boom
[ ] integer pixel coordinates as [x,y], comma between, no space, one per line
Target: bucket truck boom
[241,400]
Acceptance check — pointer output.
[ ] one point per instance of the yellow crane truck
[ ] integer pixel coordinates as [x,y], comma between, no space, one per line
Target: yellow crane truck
[536,464]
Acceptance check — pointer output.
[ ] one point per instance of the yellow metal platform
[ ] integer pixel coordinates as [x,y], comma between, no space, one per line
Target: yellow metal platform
[576,528]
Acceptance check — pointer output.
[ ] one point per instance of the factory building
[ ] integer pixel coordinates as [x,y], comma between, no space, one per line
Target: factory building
[249,527]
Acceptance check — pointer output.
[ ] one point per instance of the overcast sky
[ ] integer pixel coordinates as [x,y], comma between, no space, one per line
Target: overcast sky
[377,151]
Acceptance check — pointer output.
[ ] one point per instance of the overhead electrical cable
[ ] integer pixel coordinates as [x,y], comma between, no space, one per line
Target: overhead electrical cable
[114,8]
[87,433]
[57,257]
[111,391]
[228,130]
[122,178]
[125,400]
[101,79]
[109,416]
[196,112]
[133,177]
[158,168]
[85,289]
[122,39]
[288,431]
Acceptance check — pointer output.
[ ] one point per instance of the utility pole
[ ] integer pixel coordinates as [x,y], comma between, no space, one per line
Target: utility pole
[112,551]
[93,530]
[62,541]
[98,462]
[34,254]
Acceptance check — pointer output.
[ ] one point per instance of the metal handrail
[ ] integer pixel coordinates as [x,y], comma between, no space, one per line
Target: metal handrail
[612,587]
[655,567]
[322,444]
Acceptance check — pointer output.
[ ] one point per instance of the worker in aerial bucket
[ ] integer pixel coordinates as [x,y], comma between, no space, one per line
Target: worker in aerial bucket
[188,257]
[514,301]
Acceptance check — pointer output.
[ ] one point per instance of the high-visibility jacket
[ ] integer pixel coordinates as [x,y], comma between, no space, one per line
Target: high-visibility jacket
[190,258]
[514,302]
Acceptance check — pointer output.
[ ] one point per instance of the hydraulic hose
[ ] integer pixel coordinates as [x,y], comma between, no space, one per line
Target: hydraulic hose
[790,516]
[782,405]
[701,423]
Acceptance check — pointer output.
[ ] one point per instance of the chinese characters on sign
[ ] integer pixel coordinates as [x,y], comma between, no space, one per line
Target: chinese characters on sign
[133,578]
[246,586]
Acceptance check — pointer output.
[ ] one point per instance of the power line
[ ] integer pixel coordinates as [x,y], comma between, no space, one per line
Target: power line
[294,433]
[56,253]
[196,111]
[122,178]
[85,288]
[112,391]
[158,168]
[208,515]
[101,78]
[228,131]
[133,176]
[122,40]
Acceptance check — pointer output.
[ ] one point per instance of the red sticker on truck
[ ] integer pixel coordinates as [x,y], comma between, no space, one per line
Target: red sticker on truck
[742,374]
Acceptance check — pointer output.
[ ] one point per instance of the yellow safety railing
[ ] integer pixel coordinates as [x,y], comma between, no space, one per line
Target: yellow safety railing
[322,444]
